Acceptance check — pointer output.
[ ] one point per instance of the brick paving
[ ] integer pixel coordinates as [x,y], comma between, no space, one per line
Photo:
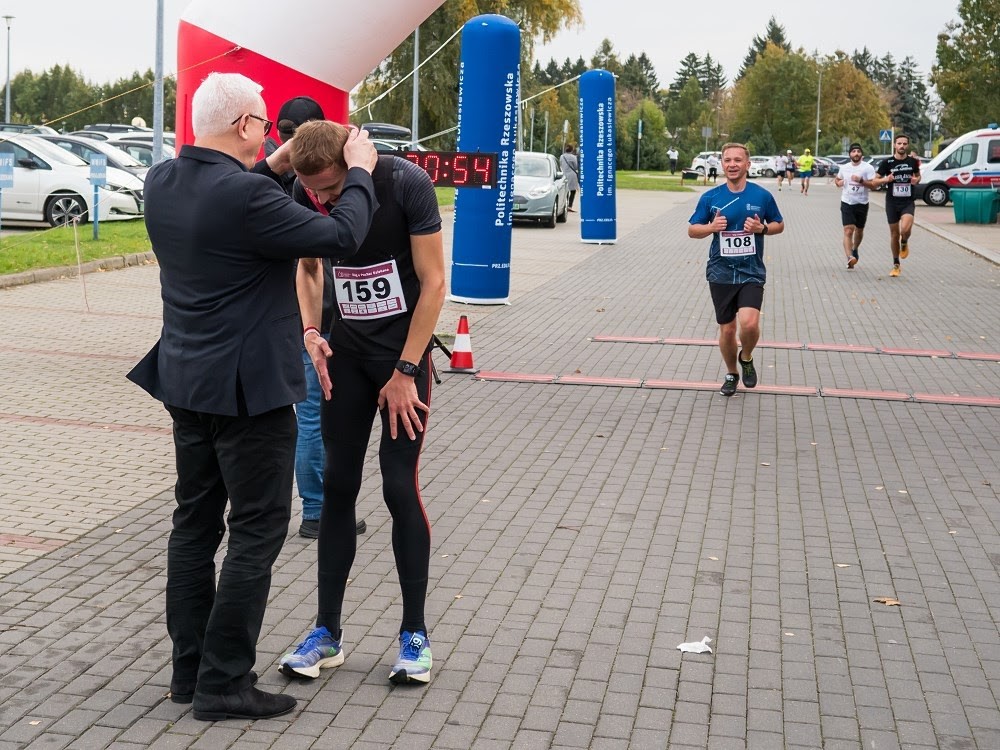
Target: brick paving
[580,532]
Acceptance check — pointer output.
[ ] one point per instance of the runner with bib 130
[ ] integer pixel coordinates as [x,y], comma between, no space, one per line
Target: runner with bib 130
[900,173]
[737,215]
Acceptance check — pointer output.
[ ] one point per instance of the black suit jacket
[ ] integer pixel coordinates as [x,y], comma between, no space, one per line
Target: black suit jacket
[226,239]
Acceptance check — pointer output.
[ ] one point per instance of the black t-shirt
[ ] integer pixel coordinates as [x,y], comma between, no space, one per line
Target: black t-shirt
[362,324]
[902,171]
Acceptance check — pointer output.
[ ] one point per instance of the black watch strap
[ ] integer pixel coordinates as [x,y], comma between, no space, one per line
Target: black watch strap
[408,368]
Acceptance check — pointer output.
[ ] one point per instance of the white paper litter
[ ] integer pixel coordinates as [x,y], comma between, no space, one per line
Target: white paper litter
[697,647]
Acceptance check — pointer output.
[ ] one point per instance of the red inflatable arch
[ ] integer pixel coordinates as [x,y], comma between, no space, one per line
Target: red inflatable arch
[317,48]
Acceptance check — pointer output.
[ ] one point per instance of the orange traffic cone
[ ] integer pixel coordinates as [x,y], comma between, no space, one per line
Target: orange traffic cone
[461,353]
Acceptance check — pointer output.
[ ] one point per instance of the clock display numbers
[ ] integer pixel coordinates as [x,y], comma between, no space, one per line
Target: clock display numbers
[458,169]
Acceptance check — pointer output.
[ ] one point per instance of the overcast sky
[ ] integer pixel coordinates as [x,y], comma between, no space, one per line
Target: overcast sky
[109,39]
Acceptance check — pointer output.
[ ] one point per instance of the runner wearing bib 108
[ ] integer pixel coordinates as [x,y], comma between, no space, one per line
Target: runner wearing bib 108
[736,215]
[900,173]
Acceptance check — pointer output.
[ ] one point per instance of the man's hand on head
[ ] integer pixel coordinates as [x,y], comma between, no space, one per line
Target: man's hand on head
[359,151]
[280,160]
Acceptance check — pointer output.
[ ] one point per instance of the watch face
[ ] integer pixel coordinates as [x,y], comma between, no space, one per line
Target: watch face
[456,168]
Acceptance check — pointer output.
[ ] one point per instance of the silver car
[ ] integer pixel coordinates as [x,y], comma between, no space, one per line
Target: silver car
[540,189]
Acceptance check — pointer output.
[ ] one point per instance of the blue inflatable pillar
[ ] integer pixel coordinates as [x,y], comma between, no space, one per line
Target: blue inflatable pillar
[489,85]
[598,209]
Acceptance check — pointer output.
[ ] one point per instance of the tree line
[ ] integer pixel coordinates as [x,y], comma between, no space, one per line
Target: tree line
[61,98]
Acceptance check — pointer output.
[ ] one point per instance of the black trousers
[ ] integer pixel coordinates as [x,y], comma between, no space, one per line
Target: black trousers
[347,420]
[250,462]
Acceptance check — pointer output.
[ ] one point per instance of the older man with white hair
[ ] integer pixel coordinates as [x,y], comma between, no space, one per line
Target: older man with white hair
[227,367]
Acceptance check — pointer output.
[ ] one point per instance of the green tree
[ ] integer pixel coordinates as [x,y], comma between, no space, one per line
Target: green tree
[438,76]
[690,68]
[773,34]
[654,143]
[851,106]
[685,117]
[967,72]
[788,108]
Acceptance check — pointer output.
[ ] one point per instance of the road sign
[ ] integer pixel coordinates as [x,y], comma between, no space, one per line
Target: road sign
[99,170]
[706,132]
[6,171]
[885,135]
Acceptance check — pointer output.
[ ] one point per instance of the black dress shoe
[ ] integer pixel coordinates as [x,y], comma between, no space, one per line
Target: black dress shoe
[182,691]
[249,703]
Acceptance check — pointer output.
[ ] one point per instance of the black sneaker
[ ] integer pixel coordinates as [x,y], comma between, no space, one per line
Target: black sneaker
[749,373]
[729,384]
[361,527]
[309,529]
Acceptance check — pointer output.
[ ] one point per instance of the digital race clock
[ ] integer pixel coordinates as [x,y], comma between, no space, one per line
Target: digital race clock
[457,168]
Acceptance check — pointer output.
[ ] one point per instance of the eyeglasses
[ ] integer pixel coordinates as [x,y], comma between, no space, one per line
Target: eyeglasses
[267,123]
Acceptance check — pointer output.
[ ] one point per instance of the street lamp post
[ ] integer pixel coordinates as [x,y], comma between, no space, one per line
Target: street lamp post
[6,111]
[819,89]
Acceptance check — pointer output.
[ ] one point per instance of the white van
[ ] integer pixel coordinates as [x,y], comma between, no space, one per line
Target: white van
[971,161]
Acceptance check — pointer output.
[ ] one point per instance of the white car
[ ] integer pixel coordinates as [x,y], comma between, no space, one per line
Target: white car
[52,185]
[762,166]
[700,163]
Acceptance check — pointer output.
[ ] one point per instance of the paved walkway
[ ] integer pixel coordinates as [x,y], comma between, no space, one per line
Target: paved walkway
[580,532]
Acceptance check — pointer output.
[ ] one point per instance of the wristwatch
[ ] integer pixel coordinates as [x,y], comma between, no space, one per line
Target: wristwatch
[408,368]
[763,229]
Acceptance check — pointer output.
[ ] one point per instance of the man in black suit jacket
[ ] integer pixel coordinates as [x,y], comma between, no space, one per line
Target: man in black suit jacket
[228,369]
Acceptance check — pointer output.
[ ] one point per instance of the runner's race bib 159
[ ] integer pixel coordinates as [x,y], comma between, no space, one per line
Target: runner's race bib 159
[369,292]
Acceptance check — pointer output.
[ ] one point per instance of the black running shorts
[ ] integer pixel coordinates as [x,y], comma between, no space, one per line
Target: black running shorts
[729,298]
[894,211]
[854,214]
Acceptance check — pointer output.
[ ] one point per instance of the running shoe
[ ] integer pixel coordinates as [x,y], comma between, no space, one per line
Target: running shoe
[895,270]
[904,249]
[729,384]
[318,651]
[852,262]
[748,371]
[414,661]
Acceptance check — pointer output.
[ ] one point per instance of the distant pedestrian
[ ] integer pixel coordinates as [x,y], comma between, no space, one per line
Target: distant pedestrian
[570,167]
[805,166]
[855,179]
[780,164]
[672,155]
[736,215]
[713,163]
[789,167]
[901,173]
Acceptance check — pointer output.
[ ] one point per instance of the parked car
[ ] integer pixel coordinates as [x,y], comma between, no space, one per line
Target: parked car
[386,146]
[765,166]
[52,185]
[838,158]
[85,148]
[540,188]
[700,163]
[971,161]
[823,167]
[115,127]
[142,150]
[169,138]
[20,127]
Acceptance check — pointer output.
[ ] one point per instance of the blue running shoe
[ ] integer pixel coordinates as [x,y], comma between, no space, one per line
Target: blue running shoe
[318,651]
[414,662]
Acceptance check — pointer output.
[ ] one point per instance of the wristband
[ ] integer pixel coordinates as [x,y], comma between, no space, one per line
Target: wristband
[307,330]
